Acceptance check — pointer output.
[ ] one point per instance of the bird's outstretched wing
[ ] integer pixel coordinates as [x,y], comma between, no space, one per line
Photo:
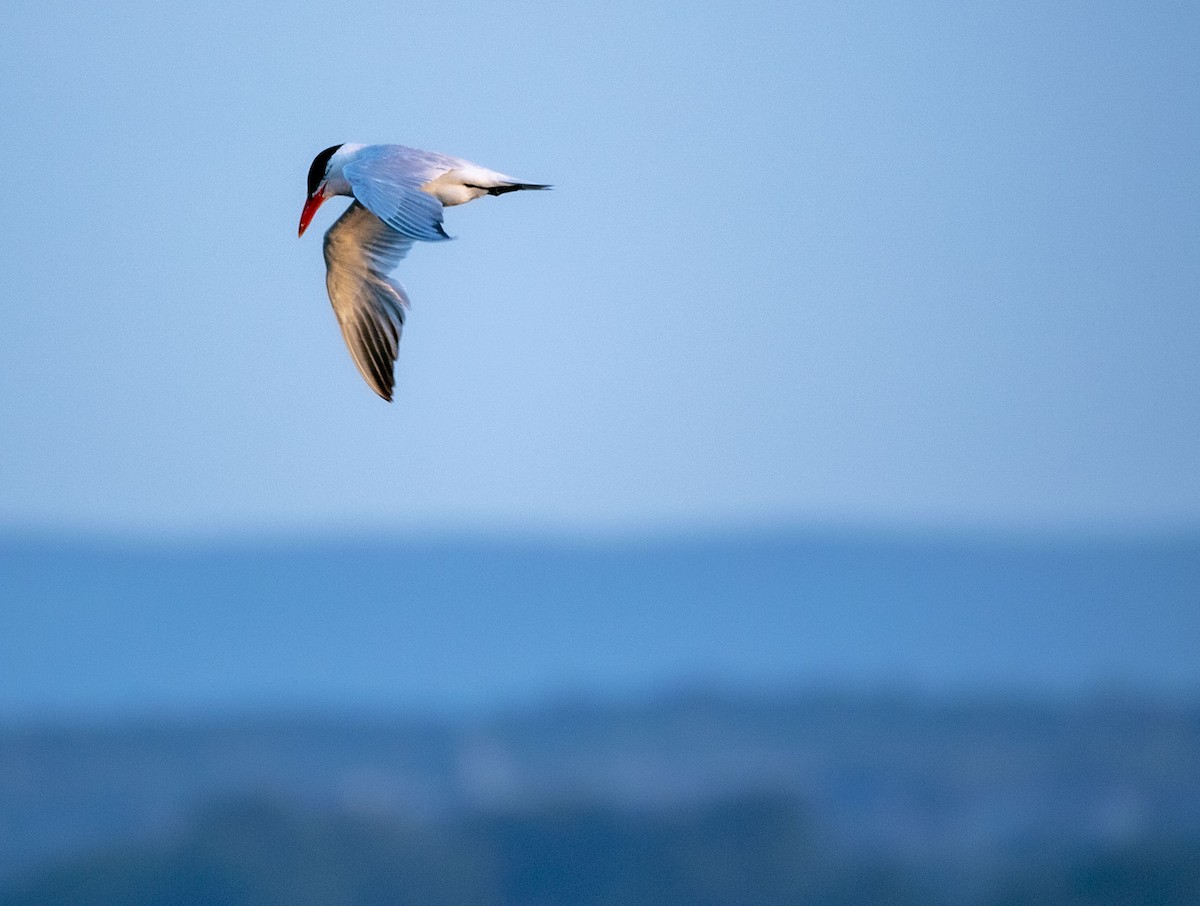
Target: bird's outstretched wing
[387,180]
[360,249]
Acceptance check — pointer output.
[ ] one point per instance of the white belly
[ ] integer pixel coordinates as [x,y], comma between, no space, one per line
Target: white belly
[463,184]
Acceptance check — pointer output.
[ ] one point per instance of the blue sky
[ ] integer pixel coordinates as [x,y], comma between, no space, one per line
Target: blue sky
[922,263]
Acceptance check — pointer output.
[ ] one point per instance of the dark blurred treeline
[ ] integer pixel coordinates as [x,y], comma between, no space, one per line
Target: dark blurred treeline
[747,851]
[694,798]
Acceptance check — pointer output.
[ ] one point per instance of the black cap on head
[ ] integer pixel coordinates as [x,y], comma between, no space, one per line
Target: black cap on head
[317,171]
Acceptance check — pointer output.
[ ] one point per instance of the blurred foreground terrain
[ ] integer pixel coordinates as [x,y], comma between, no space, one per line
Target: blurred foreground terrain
[778,719]
[690,798]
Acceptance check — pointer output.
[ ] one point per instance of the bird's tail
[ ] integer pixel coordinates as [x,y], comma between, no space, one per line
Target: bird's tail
[515,187]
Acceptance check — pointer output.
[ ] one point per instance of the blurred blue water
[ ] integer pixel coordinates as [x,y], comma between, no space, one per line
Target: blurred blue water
[108,626]
[1012,719]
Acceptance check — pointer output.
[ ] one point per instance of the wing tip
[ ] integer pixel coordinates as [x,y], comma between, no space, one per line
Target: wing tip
[382,381]
[380,387]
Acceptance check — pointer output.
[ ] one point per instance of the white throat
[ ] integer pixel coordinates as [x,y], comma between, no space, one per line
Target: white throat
[335,182]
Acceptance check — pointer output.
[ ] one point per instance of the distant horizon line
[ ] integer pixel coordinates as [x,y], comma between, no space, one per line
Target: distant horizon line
[564,532]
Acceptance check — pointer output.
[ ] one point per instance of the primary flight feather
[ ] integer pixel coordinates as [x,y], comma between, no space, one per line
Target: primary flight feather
[399,194]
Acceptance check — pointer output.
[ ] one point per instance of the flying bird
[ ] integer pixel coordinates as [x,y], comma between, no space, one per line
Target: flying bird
[399,194]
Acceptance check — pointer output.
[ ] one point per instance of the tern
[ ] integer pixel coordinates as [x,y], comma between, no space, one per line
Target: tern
[399,194]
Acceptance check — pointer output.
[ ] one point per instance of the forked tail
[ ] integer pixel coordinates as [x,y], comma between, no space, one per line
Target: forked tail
[515,187]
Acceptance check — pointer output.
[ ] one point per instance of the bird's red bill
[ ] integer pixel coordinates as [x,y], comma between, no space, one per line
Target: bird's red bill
[310,208]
